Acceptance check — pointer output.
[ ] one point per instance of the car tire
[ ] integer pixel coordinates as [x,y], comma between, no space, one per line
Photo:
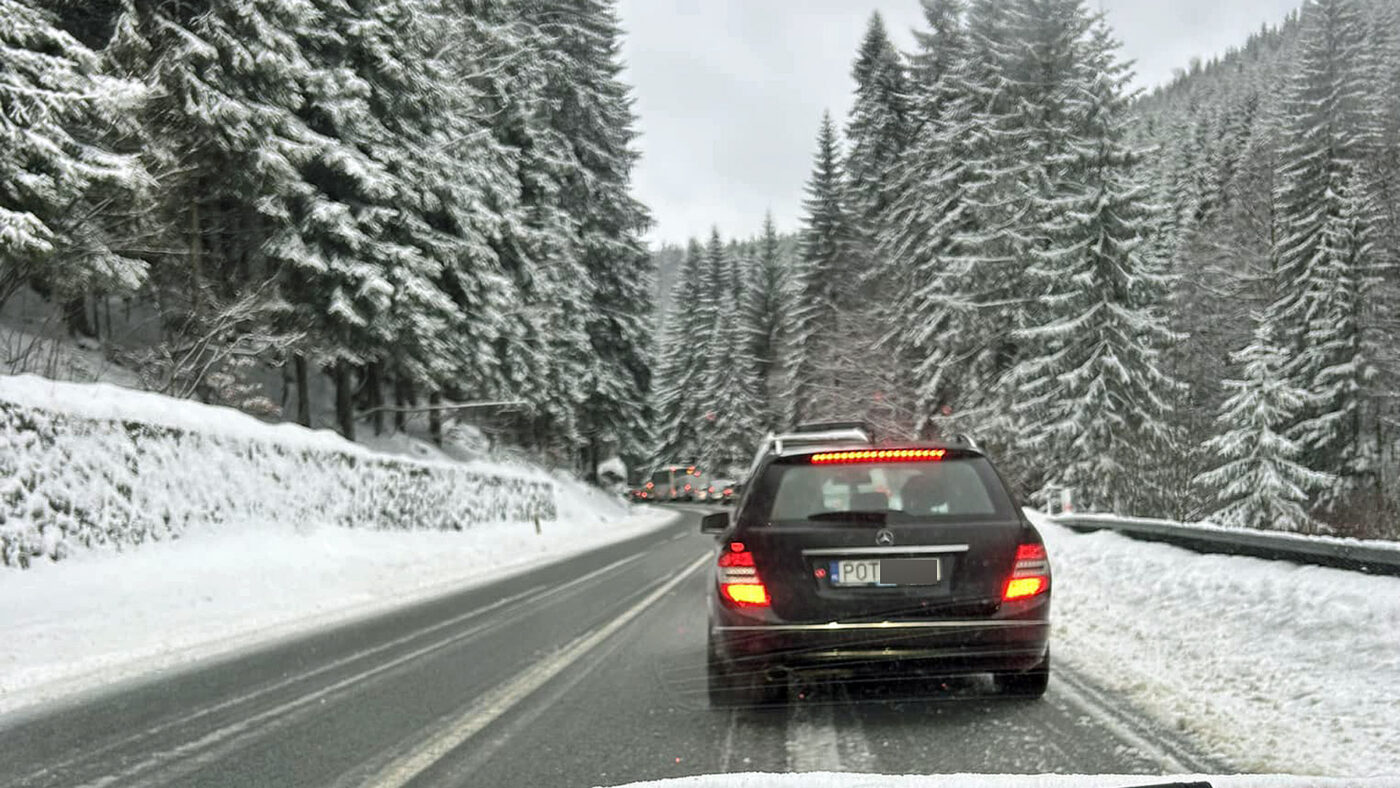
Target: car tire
[1026,684]
[730,689]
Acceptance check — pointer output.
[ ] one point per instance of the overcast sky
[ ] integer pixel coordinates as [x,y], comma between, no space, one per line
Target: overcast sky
[730,92]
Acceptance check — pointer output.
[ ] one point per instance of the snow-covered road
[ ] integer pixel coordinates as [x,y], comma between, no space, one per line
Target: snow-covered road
[590,670]
[99,617]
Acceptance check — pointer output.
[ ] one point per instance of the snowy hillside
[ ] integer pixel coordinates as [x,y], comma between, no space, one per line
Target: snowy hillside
[87,466]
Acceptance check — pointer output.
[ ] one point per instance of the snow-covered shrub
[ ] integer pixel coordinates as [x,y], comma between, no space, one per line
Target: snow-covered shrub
[71,481]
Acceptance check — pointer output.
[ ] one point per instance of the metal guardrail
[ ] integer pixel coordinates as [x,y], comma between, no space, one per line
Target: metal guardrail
[1361,556]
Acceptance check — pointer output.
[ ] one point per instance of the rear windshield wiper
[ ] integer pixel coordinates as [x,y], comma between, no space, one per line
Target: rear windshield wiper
[872,515]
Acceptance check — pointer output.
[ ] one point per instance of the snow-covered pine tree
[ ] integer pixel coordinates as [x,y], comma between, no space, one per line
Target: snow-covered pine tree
[544,354]
[966,245]
[926,208]
[814,383]
[223,137]
[877,134]
[373,218]
[1321,247]
[1089,386]
[728,397]
[56,168]
[767,310]
[681,370]
[592,112]
[941,49]
[1259,480]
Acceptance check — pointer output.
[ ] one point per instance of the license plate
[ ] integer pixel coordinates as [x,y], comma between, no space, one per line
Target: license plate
[887,572]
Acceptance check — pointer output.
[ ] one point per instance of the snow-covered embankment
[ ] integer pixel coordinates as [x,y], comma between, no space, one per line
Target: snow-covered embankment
[1268,665]
[186,530]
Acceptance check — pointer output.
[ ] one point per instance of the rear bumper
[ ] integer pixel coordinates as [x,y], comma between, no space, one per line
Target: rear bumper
[947,646]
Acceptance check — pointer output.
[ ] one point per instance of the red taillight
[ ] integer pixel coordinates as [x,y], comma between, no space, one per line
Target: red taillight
[687,487]
[728,491]
[746,594]
[1030,552]
[739,582]
[879,455]
[650,485]
[1022,587]
[1031,574]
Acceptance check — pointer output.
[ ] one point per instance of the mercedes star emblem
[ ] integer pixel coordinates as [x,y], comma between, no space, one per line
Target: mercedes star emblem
[884,537]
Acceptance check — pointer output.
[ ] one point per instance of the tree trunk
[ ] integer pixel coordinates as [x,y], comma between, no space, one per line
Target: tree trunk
[75,317]
[196,263]
[403,397]
[288,381]
[344,399]
[374,396]
[435,417]
[303,391]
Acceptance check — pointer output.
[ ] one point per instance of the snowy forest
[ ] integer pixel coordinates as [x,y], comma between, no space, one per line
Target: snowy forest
[427,201]
[1180,303]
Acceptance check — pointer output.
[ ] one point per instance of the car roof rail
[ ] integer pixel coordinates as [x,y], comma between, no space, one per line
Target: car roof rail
[966,440]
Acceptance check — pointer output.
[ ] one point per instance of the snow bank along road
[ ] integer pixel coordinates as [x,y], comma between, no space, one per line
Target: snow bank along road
[586,671]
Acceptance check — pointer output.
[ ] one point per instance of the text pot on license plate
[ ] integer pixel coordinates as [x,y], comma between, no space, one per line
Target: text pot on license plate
[886,571]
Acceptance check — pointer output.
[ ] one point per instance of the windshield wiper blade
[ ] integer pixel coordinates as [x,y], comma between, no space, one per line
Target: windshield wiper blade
[873,515]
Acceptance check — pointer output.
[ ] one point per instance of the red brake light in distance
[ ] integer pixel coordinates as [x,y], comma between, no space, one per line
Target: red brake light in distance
[878,455]
[739,582]
[1031,574]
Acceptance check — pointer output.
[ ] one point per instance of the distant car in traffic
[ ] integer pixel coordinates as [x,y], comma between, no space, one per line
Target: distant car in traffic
[721,491]
[850,560]
[671,483]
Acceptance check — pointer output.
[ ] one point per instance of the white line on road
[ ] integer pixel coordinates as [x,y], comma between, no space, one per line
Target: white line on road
[497,702]
[811,738]
[208,747]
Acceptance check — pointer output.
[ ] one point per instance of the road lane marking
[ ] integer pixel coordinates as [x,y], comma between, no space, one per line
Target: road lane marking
[856,754]
[726,752]
[492,705]
[199,750]
[812,744]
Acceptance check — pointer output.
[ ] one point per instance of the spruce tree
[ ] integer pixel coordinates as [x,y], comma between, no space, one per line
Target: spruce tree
[767,310]
[814,384]
[1259,480]
[1322,245]
[877,134]
[1089,386]
[591,112]
[56,167]
[926,208]
[681,371]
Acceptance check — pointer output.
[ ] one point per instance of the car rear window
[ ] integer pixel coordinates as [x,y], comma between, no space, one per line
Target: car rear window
[962,488]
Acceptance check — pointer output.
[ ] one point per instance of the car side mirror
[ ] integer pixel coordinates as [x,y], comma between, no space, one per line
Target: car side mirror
[716,523]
